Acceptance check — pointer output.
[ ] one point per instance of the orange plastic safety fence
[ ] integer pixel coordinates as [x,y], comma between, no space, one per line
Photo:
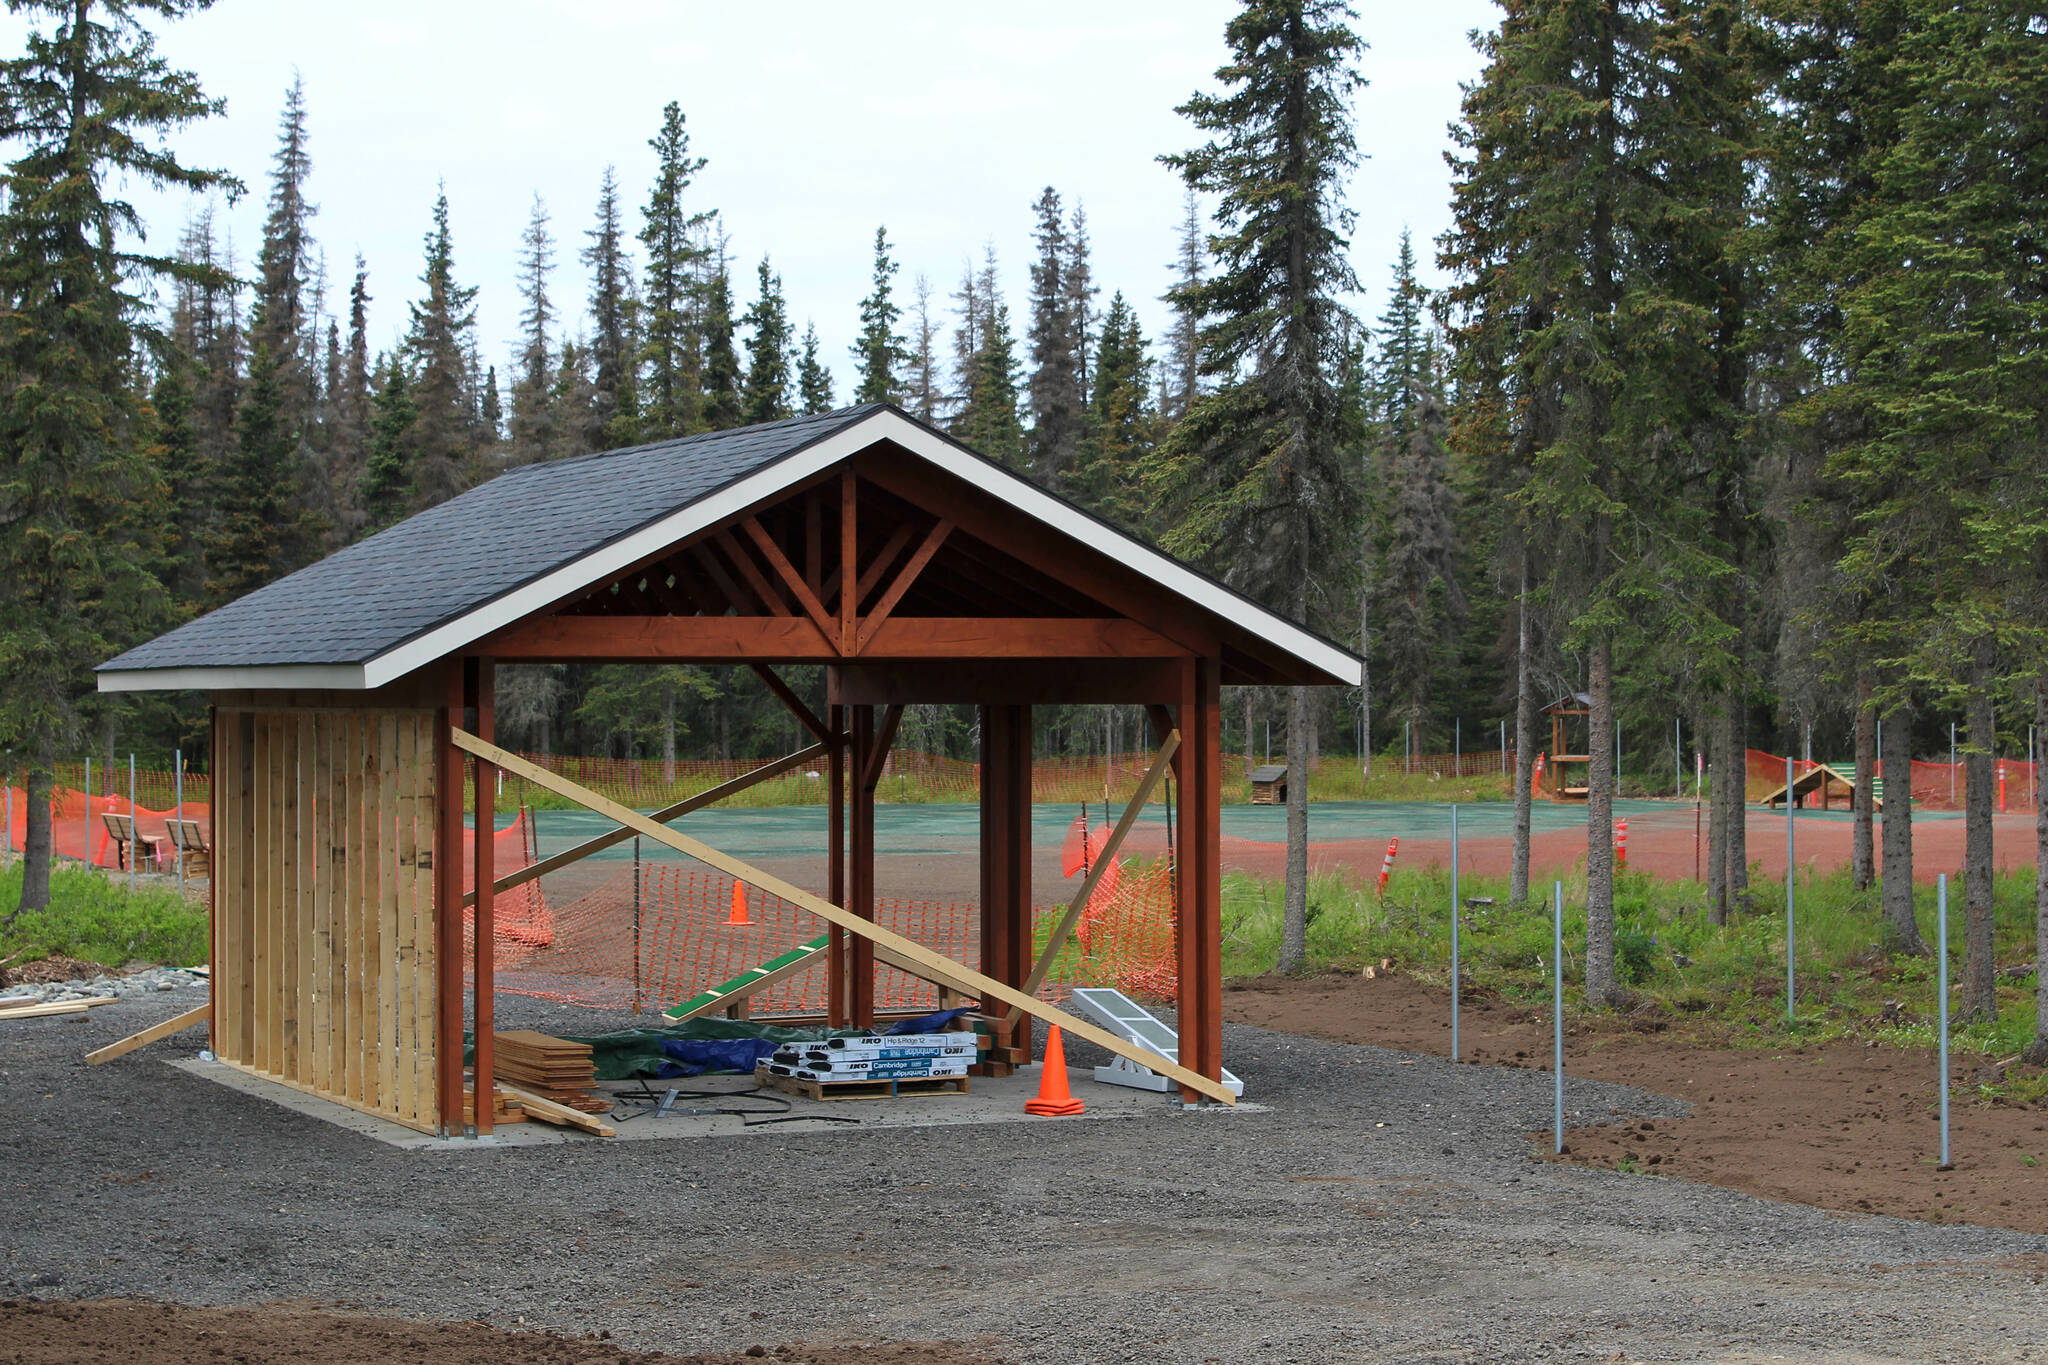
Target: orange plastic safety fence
[1935,786]
[77,832]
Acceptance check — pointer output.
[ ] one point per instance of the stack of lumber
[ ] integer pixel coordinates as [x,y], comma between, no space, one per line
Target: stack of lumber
[30,1008]
[552,1068]
[872,1066]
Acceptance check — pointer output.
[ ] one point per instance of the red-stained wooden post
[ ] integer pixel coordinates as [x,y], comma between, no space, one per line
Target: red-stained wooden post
[484,968]
[861,872]
[448,906]
[1006,858]
[837,1004]
[214,770]
[1199,898]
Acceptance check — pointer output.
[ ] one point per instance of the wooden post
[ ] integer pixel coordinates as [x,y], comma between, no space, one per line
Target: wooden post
[448,907]
[485,965]
[1006,863]
[861,869]
[1199,898]
[837,1005]
[214,771]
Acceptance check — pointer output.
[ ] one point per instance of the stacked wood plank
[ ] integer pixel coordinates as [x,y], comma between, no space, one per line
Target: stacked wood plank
[550,1067]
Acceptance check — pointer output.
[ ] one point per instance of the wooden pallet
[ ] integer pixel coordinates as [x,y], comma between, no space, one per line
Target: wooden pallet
[863,1090]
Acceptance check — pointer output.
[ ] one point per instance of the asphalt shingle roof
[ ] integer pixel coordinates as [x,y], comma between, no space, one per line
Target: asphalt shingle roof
[448,560]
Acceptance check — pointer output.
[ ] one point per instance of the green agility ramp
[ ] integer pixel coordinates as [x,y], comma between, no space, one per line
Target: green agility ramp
[749,981]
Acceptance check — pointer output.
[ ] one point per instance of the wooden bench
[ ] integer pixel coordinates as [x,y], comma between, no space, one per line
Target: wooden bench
[121,828]
[190,842]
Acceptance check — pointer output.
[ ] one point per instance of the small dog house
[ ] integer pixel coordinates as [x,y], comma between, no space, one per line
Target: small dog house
[1269,785]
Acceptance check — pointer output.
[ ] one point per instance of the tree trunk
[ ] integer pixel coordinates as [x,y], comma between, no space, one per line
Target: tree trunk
[1601,986]
[36,850]
[1294,920]
[2037,1053]
[1862,830]
[668,732]
[1719,728]
[1250,745]
[1525,745]
[1902,930]
[1980,967]
[1737,809]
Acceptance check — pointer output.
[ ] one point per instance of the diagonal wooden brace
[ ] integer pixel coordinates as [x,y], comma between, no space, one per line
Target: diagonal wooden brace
[555,862]
[890,947]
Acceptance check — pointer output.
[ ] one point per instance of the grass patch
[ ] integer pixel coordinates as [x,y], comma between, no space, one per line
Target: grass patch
[1671,957]
[92,917]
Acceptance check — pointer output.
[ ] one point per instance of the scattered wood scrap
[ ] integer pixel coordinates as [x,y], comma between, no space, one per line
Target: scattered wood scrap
[561,1115]
[553,1068]
[177,1023]
[41,1008]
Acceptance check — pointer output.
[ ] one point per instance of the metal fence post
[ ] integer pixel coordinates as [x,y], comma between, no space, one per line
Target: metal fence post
[1454,931]
[87,850]
[178,796]
[134,831]
[1557,1011]
[636,924]
[1941,957]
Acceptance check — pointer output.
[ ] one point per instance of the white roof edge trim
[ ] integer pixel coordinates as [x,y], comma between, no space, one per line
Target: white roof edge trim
[256,677]
[607,560]
[1166,571]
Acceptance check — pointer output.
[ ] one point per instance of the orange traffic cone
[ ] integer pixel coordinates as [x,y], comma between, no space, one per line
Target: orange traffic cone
[1053,1099]
[739,905]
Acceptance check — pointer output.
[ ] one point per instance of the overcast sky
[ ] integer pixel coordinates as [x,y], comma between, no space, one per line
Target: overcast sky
[819,121]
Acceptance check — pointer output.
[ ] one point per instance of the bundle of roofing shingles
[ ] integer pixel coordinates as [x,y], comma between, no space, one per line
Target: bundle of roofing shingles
[874,1057]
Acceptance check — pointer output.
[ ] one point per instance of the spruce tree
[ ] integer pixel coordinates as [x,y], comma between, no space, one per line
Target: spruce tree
[444,394]
[614,366]
[879,353]
[1078,284]
[924,389]
[388,467]
[1180,374]
[1252,477]
[536,427]
[813,380]
[722,405]
[669,390]
[1121,423]
[765,397]
[281,320]
[990,422]
[1055,384]
[87,104]
[260,533]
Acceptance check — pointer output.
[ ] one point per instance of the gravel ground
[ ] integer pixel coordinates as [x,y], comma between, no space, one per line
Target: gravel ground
[1384,1208]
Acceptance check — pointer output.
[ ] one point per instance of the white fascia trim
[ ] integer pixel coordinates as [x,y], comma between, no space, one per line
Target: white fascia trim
[1168,573]
[335,677]
[602,564]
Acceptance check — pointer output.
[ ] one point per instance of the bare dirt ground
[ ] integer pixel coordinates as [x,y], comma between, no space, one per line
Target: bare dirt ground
[122,1331]
[1380,1206]
[1848,1125]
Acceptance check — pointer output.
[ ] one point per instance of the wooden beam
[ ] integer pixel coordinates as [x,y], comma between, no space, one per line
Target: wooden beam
[786,571]
[939,969]
[879,565]
[547,1111]
[720,579]
[878,615]
[878,754]
[177,1023]
[788,697]
[1023,682]
[555,862]
[484,967]
[448,803]
[756,580]
[794,639]
[849,556]
[1124,825]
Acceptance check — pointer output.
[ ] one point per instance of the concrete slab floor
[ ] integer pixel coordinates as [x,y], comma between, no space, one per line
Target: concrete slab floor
[990,1100]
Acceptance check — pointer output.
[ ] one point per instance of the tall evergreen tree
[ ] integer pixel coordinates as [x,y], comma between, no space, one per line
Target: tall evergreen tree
[813,380]
[1056,365]
[723,408]
[924,389]
[669,385]
[614,365]
[87,104]
[536,432]
[879,353]
[443,389]
[1120,422]
[1180,374]
[260,532]
[1078,283]
[990,422]
[1252,476]
[385,491]
[766,395]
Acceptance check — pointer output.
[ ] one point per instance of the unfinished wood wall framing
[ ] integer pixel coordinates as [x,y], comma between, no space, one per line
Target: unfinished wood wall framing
[324,909]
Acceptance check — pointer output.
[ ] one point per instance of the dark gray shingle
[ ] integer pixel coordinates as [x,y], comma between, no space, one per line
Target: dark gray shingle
[375,595]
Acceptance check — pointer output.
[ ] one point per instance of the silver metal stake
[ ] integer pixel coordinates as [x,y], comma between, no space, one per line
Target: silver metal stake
[1454,931]
[88,810]
[177,849]
[1557,1009]
[134,834]
[1941,953]
[1791,807]
[1678,756]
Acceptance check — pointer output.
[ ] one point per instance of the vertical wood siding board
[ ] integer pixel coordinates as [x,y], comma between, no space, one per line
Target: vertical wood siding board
[320,778]
[405,951]
[426,1000]
[348,995]
[387,911]
[265,901]
[290,996]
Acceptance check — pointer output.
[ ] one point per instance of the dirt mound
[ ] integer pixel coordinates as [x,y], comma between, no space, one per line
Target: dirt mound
[1848,1125]
[46,970]
[121,1331]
